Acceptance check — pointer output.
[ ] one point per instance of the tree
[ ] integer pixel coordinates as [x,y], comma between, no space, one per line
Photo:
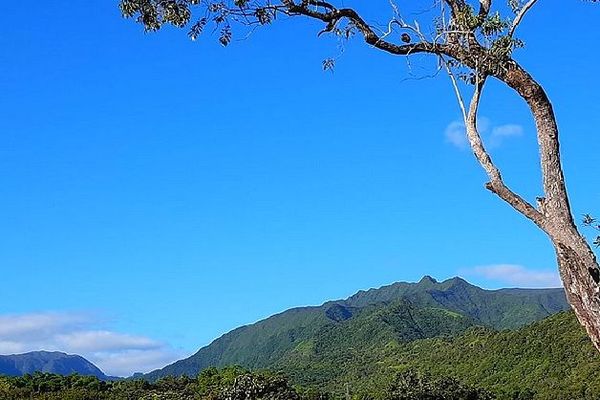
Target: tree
[6,388]
[473,46]
[410,385]
[236,383]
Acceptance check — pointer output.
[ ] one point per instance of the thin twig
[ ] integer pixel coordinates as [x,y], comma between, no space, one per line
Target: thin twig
[454,81]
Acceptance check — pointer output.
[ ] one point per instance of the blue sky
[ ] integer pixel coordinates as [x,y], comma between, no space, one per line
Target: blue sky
[157,192]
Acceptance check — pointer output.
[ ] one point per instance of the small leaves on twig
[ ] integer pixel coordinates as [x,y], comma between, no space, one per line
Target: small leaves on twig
[588,220]
[263,16]
[328,64]
[515,5]
[592,222]
[494,25]
[197,29]
[225,37]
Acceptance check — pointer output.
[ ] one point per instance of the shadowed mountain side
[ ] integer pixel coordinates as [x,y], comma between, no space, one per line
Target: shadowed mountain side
[50,362]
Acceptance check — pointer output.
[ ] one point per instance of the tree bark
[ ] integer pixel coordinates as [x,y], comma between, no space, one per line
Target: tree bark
[575,259]
[577,262]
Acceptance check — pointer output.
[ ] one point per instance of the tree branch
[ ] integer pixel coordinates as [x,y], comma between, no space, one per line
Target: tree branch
[556,201]
[484,9]
[331,18]
[459,97]
[520,16]
[496,183]
[456,6]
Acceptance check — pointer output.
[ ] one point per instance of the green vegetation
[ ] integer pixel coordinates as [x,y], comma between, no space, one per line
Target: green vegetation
[414,386]
[232,383]
[550,359]
[379,355]
[422,341]
[371,314]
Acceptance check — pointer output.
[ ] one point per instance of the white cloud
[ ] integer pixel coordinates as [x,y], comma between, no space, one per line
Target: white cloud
[38,325]
[493,135]
[456,134]
[503,132]
[10,347]
[507,130]
[86,341]
[127,362]
[516,275]
[115,353]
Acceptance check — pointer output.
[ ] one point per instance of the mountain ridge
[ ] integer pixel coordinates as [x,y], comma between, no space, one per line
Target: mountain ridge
[55,362]
[268,341]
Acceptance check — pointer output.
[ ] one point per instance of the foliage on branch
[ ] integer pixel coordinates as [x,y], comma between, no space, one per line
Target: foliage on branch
[475,40]
[593,223]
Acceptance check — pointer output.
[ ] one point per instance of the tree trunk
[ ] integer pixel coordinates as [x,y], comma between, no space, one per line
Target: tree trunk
[577,263]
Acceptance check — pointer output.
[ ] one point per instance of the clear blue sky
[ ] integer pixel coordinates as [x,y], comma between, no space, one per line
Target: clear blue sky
[173,190]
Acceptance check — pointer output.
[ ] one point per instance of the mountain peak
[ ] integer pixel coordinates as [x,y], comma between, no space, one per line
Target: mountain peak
[428,280]
[456,281]
[45,353]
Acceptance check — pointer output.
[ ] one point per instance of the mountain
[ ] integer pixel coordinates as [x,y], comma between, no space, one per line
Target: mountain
[500,309]
[398,313]
[552,359]
[50,362]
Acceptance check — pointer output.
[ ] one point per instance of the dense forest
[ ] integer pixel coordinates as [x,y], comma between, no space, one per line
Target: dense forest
[549,359]
[233,383]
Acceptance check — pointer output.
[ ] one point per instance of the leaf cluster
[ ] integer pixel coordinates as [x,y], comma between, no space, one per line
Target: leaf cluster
[154,14]
[591,222]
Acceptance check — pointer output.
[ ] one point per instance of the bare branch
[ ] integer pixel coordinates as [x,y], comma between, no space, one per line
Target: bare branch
[496,183]
[323,4]
[331,18]
[459,97]
[520,16]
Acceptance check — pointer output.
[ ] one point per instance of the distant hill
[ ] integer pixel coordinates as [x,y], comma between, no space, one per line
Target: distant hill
[50,362]
[398,313]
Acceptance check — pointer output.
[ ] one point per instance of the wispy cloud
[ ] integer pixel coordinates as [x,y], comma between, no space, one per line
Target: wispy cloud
[133,361]
[456,135]
[515,275]
[493,135]
[115,353]
[502,132]
[36,326]
[97,341]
